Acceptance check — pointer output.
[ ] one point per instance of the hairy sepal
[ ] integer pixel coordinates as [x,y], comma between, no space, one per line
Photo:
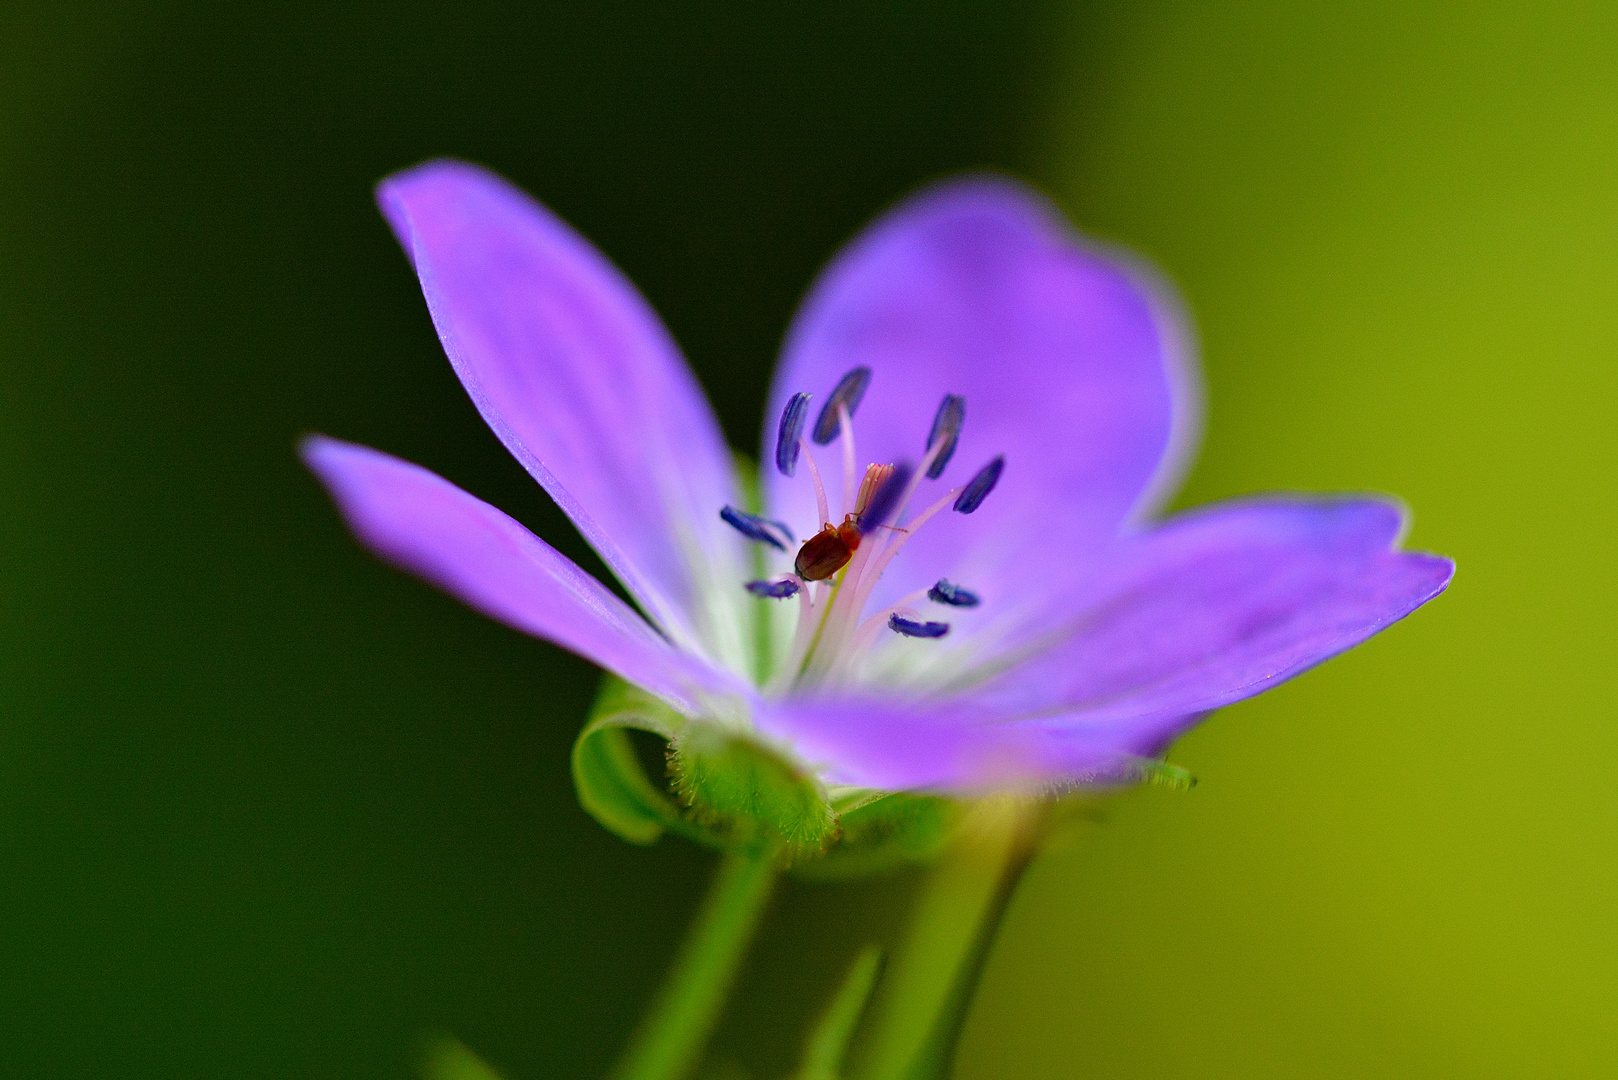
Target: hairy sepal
[737,787]
[884,834]
[730,790]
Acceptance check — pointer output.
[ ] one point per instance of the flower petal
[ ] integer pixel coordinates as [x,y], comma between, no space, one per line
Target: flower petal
[953,746]
[428,526]
[1213,607]
[582,383]
[1070,359]
[1218,605]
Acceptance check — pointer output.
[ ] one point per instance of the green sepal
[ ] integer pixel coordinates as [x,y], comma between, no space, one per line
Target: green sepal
[611,785]
[737,787]
[883,834]
[733,791]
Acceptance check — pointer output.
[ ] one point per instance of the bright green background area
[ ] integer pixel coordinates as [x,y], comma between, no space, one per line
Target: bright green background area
[269,809]
[1397,227]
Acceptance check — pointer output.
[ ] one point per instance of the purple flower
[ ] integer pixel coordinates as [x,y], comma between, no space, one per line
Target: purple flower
[1006,608]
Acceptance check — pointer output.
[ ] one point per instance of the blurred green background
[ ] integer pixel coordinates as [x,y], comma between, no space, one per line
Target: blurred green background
[270,809]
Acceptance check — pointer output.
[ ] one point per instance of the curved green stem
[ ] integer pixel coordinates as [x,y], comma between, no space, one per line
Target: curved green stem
[927,996]
[671,1038]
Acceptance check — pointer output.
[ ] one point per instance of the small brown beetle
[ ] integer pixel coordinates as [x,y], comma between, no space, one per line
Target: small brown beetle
[829,550]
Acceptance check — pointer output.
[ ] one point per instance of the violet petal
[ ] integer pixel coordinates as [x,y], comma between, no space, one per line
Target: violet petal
[1220,604]
[946,746]
[1075,367]
[1213,607]
[577,376]
[428,526]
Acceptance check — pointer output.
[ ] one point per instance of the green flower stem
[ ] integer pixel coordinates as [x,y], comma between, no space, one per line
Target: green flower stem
[929,988]
[828,1043]
[671,1038]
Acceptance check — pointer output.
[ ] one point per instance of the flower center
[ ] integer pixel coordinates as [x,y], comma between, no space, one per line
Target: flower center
[836,569]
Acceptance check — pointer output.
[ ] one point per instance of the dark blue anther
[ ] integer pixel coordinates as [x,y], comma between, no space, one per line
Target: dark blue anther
[789,434]
[946,427]
[762,529]
[911,628]
[953,595]
[775,590]
[850,389]
[885,499]
[978,488]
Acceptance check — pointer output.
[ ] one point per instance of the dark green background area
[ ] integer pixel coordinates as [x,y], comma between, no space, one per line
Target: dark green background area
[268,808]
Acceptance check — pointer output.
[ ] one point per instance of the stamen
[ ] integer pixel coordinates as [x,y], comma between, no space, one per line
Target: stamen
[838,567]
[774,590]
[754,527]
[946,430]
[911,528]
[880,492]
[790,434]
[850,459]
[865,634]
[842,645]
[820,489]
[852,587]
[850,389]
[923,469]
[867,569]
[913,628]
[953,595]
[978,488]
